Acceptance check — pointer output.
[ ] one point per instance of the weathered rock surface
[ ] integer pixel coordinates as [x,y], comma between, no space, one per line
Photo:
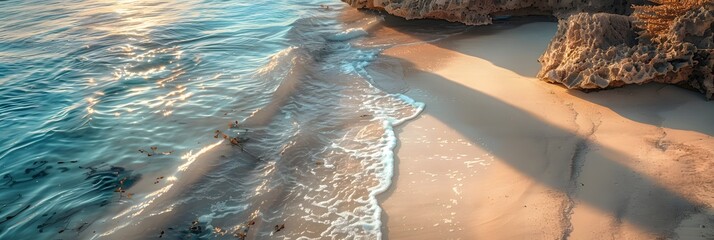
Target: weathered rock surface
[592,51]
[594,47]
[479,12]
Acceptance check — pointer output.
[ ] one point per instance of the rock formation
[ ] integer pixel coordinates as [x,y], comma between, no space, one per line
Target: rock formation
[479,12]
[595,47]
[592,51]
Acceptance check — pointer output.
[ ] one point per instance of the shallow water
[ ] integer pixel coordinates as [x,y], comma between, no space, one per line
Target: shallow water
[109,112]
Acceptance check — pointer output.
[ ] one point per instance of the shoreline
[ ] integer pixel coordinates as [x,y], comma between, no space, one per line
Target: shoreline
[499,154]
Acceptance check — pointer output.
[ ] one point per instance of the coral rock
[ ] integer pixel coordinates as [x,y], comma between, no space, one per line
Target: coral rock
[592,51]
[594,47]
[479,12]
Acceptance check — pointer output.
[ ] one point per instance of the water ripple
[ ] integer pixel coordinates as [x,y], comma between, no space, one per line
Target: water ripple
[86,84]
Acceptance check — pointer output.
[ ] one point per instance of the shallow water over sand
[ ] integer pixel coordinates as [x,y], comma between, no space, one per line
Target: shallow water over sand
[109,112]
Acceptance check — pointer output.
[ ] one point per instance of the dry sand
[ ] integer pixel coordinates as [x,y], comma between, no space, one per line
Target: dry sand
[498,154]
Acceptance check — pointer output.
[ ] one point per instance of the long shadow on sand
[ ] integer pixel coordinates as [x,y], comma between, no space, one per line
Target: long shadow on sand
[658,209]
[646,104]
[640,200]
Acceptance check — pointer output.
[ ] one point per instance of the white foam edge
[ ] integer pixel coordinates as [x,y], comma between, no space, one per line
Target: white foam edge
[385,179]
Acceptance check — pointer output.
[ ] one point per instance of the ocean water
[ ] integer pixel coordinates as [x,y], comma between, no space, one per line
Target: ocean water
[113,116]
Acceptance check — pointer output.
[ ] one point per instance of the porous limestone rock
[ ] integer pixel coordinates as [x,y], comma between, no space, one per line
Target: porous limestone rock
[479,12]
[592,48]
[696,28]
[592,51]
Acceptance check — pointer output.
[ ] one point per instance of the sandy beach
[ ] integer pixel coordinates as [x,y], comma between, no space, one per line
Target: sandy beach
[498,154]
[357,119]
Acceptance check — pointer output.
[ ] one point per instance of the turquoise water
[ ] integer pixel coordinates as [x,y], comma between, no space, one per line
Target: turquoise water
[108,113]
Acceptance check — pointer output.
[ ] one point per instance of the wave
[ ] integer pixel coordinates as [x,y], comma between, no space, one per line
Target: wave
[313,156]
[348,34]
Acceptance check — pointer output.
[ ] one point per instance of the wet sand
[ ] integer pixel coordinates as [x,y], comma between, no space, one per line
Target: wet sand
[498,154]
